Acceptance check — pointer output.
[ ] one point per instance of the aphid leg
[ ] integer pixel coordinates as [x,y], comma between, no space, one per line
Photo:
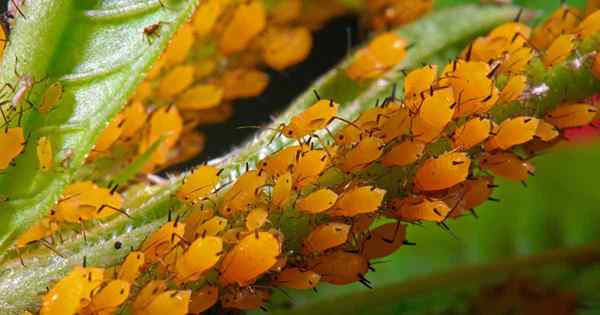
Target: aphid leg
[122,211]
[49,246]
[18,9]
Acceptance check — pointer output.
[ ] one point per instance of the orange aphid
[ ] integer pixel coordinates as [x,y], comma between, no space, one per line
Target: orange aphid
[314,118]
[199,257]
[84,201]
[245,298]
[368,121]
[443,172]
[256,218]
[234,235]
[515,131]
[131,268]
[249,19]
[211,227]
[517,33]
[472,133]
[282,190]
[513,89]
[243,193]
[170,302]
[368,150]
[310,165]
[517,61]
[590,25]
[143,92]
[286,11]
[180,46]
[486,48]
[109,298]
[248,259]
[205,17]
[11,145]
[280,162]
[362,222]
[437,108]
[317,201]
[204,68]
[111,133]
[284,47]
[44,153]
[204,299]
[340,267]
[65,296]
[196,218]
[51,97]
[243,83]
[416,83]
[326,236]
[37,232]
[166,123]
[474,92]
[175,81]
[573,115]
[596,66]
[390,13]
[419,208]
[148,293]
[383,52]
[563,21]
[398,124]
[477,191]
[296,278]
[200,96]
[507,165]
[404,153]
[383,241]
[161,241]
[199,183]
[560,49]
[546,131]
[132,119]
[358,200]
[3,40]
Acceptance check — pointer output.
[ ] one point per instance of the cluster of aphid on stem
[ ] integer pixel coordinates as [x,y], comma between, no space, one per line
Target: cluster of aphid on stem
[229,249]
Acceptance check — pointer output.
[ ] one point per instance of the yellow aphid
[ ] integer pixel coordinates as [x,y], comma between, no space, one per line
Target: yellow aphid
[326,236]
[398,124]
[256,218]
[84,201]
[317,201]
[280,162]
[443,172]
[143,92]
[285,12]
[507,165]
[417,83]
[517,61]
[246,298]
[156,69]
[284,47]
[369,120]
[205,17]
[177,80]
[199,257]
[65,296]
[404,153]
[199,183]
[368,150]
[132,119]
[383,241]
[515,131]
[418,208]
[131,267]
[109,298]
[11,145]
[517,33]
[437,109]
[385,51]
[234,235]
[201,96]
[211,227]
[243,193]
[282,189]
[165,123]
[574,115]
[249,19]
[204,68]
[590,25]
[251,257]
[486,49]
[386,14]
[560,49]
[314,118]
[358,200]
[472,133]
[3,40]
[148,293]
[513,89]
[197,217]
[170,302]
[546,131]
[243,83]
[180,46]
[161,241]
[44,153]
[296,278]
[474,92]
[37,232]
[204,299]
[310,166]
[592,6]
[340,267]
[110,134]
[51,97]
[563,21]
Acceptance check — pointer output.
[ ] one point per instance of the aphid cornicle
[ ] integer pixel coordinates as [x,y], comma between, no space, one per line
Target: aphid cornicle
[296,278]
[317,201]
[326,236]
[443,172]
[383,241]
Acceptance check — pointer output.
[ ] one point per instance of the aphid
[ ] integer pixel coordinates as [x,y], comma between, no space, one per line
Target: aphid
[37,232]
[200,96]
[243,193]
[383,241]
[472,133]
[84,201]
[596,66]
[515,131]
[517,61]
[318,201]
[513,89]
[131,267]
[437,108]
[296,278]
[398,124]
[174,82]
[243,83]
[282,190]
[477,191]
[194,220]
[204,19]
[160,242]
[204,299]
[573,115]
[109,298]
[110,134]
[51,97]
[383,52]
[358,200]
[132,121]
[418,82]
[517,33]
[284,47]
[486,48]
[368,150]
[234,235]
[404,153]
[314,118]
[419,208]
[165,123]
[65,296]
[252,256]
[286,12]
[199,257]
[340,267]
[507,165]
[199,183]
[362,222]
[310,165]
[44,153]
[563,21]
[179,47]
[211,227]
[443,172]
[368,121]
[326,236]
[560,49]
[280,162]
[11,144]
[390,13]
[245,298]
[256,218]
[170,302]
[249,19]
[474,92]
[546,131]
[152,31]
[148,293]
[3,39]
[590,25]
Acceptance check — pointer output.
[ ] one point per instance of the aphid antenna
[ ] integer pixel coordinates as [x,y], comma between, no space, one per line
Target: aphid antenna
[317,94]
[18,9]
[122,211]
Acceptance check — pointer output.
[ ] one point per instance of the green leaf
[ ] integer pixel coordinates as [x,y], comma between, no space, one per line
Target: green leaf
[98,51]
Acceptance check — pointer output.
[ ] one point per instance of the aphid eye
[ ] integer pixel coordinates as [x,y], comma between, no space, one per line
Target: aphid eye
[118,245]
[289,132]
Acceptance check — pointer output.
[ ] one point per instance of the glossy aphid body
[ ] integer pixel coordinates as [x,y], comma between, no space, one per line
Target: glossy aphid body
[131,267]
[169,302]
[282,190]
[51,97]
[383,241]
[243,193]
[417,84]
[243,83]
[471,133]
[199,257]
[110,134]
[3,39]
[147,294]
[82,201]
[403,153]
[507,165]
[419,208]
[256,218]
[386,14]
[573,115]
[560,49]
[297,278]
[368,150]
[65,296]
[443,172]
[166,124]
[590,25]
[326,236]
[249,19]
[383,52]
[318,201]
[563,21]
[37,232]
[199,183]
[358,200]
[314,118]
[204,299]
[245,298]
[200,96]
[109,298]
[211,227]
[546,131]
[340,267]
[280,162]
[284,47]
[44,153]
[310,165]
[514,131]
[11,144]
[159,243]
[513,89]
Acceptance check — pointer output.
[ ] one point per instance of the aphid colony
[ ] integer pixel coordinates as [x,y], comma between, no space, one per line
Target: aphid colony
[227,249]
